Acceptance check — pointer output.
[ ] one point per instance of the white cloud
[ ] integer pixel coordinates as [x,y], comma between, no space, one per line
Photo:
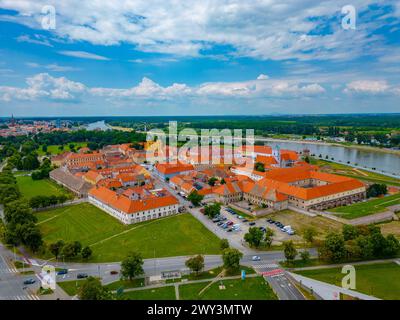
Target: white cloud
[83,55]
[43,85]
[54,67]
[367,86]
[262,77]
[262,29]
[36,39]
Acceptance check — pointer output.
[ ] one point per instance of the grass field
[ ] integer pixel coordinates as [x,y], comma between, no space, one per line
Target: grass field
[345,170]
[366,208]
[70,287]
[300,221]
[392,227]
[380,280]
[237,289]
[112,241]
[135,283]
[163,293]
[45,187]
[54,149]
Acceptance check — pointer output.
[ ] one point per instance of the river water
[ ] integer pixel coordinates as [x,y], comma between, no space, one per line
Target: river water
[383,162]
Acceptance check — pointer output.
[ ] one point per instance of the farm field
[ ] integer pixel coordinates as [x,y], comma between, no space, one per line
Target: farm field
[110,240]
[381,280]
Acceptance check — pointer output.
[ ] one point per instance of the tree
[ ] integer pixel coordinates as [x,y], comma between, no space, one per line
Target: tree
[196,264]
[269,233]
[349,232]
[376,190]
[195,198]
[392,247]
[309,234]
[223,181]
[86,253]
[254,237]
[231,258]
[289,251]
[91,289]
[71,249]
[212,210]
[31,236]
[305,256]
[56,247]
[212,181]
[259,166]
[224,244]
[333,248]
[132,266]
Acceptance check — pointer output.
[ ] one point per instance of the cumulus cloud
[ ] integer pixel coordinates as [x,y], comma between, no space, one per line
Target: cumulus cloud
[43,85]
[285,29]
[262,77]
[367,87]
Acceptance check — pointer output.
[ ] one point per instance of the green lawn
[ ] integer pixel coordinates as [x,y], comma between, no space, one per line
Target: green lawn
[171,236]
[30,188]
[380,280]
[135,283]
[70,287]
[237,289]
[163,293]
[366,208]
[54,149]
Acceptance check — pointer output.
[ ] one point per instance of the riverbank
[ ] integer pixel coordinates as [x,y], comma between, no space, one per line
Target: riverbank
[334,144]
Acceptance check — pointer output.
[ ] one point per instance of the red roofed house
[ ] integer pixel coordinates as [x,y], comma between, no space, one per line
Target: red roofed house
[134,207]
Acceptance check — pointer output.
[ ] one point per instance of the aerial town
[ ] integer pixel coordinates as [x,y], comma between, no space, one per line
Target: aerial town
[236,154]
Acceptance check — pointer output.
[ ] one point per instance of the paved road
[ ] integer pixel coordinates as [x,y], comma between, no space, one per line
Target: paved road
[11,282]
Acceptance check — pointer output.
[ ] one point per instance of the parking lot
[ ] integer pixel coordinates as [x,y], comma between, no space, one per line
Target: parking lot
[236,226]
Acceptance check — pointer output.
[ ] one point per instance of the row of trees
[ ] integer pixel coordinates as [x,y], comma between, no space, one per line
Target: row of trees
[358,243]
[46,201]
[20,226]
[69,250]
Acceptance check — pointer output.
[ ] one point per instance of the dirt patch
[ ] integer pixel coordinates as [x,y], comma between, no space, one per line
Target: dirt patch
[299,222]
[392,227]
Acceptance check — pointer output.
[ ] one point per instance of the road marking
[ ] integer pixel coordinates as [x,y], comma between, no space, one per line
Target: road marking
[271,273]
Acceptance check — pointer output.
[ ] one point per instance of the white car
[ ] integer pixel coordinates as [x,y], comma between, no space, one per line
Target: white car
[255,258]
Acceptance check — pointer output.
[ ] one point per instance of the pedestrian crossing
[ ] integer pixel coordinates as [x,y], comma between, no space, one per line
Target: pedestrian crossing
[9,270]
[268,269]
[21,297]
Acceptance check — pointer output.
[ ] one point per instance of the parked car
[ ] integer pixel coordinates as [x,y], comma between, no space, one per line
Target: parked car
[290,232]
[229,230]
[220,223]
[229,223]
[263,229]
[62,272]
[240,217]
[114,272]
[252,223]
[256,258]
[271,221]
[29,281]
[81,275]
[245,220]
[216,220]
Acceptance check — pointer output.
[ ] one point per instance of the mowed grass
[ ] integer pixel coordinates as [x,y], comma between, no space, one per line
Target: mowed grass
[54,149]
[362,209]
[110,240]
[345,170]
[249,289]
[30,188]
[163,293]
[70,287]
[380,280]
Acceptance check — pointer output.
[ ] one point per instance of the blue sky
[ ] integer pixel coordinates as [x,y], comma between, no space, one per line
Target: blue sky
[134,57]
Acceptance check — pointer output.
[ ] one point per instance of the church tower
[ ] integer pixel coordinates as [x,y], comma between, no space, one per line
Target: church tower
[276,153]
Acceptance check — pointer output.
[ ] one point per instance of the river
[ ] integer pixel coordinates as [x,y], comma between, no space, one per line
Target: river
[387,163]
